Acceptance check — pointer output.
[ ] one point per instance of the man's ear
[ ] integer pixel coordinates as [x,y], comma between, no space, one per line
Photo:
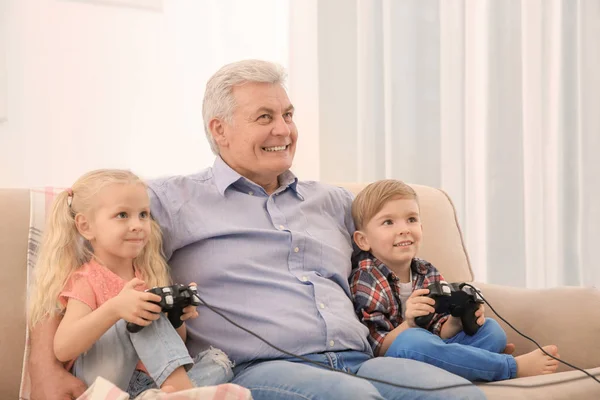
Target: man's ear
[361,240]
[83,226]
[217,130]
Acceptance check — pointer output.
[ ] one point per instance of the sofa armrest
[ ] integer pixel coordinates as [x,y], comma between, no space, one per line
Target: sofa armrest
[566,316]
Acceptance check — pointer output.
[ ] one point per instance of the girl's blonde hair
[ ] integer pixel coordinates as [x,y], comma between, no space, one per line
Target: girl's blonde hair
[64,250]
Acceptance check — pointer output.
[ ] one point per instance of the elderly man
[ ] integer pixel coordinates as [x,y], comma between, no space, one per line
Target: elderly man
[272,253]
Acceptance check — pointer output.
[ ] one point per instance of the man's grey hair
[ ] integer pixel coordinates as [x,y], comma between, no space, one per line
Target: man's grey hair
[219,101]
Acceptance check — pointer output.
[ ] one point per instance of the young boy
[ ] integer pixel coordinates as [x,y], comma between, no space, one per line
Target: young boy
[388,285]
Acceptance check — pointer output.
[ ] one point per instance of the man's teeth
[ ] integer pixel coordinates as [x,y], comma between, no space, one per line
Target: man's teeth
[275,148]
[402,244]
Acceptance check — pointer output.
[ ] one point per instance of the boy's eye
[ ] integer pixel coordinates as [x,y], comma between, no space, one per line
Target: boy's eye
[122,214]
[413,219]
[144,214]
[388,222]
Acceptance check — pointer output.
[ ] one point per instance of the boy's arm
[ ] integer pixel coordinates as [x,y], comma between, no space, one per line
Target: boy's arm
[49,379]
[81,327]
[182,331]
[390,337]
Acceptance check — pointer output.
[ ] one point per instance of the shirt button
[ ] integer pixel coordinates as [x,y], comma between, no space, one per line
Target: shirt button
[281,227]
[331,343]
[322,305]
[296,249]
[304,278]
[251,193]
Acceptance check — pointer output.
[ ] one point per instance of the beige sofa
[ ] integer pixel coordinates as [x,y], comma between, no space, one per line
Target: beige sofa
[567,316]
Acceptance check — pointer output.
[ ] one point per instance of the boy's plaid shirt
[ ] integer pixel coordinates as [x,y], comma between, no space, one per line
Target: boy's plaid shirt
[376,295]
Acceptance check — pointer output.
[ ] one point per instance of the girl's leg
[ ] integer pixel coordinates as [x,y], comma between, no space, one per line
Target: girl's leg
[469,362]
[211,367]
[113,357]
[163,353]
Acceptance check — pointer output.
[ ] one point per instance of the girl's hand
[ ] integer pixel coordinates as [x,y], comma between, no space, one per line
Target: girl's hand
[480,315]
[190,311]
[136,306]
[418,305]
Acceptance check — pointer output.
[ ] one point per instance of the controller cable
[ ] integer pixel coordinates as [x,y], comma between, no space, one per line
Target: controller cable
[325,366]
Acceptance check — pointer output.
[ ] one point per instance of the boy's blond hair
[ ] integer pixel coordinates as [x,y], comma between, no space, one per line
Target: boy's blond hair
[372,198]
[64,250]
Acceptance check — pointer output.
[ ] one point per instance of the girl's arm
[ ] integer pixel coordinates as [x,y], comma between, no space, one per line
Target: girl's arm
[81,327]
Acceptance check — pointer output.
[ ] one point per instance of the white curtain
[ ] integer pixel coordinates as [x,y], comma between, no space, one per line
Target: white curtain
[494,101]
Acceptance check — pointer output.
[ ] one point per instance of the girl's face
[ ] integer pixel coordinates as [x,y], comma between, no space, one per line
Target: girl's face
[119,227]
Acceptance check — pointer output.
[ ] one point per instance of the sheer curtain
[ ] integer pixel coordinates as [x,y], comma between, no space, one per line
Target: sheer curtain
[494,101]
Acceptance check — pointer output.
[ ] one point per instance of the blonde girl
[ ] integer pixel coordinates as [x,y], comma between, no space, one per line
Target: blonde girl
[100,250]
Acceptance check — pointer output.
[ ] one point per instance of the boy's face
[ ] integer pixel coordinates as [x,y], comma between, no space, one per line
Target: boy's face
[394,234]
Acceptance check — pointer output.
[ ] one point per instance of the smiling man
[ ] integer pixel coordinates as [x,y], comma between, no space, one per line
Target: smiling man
[273,254]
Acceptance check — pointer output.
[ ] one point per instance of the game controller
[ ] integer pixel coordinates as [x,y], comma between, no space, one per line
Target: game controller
[458,300]
[173,299]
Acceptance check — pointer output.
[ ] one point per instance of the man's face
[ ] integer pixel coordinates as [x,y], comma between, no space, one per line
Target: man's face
[260,141]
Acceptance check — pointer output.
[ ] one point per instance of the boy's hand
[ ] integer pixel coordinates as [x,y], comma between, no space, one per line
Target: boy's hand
[480,315]
[136,306]
[418,305]
[189,312]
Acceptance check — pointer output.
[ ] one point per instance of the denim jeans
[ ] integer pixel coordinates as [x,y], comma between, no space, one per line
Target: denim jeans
[295,379]
[476,358]
[160,348]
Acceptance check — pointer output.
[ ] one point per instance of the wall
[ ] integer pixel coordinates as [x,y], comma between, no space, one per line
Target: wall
[92,85]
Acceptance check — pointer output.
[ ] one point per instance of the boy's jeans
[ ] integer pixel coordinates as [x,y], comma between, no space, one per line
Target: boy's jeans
[476,358]
[160,348]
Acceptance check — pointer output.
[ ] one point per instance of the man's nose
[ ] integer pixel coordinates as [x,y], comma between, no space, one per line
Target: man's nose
[281,127]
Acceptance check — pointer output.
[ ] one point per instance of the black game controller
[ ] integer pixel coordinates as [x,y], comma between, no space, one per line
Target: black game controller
[173,300]
[458,300]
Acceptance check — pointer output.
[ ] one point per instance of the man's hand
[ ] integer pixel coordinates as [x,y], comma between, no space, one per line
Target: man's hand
[418,305]
[57,384]
[49,379]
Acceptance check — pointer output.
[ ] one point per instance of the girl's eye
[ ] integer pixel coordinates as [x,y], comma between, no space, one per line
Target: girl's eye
[144,214]
[387,222]
[122,214]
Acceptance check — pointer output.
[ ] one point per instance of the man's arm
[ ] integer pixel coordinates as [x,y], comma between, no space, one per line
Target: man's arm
[49,379]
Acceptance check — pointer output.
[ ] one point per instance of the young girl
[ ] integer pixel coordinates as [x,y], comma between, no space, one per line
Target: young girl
[100,250]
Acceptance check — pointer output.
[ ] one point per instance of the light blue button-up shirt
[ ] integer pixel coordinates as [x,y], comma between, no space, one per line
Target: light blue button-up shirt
[276,264]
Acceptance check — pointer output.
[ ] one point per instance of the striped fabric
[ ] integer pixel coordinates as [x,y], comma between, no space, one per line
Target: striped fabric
[41,203]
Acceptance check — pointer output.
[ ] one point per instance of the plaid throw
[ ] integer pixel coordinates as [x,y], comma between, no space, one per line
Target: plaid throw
[41,203]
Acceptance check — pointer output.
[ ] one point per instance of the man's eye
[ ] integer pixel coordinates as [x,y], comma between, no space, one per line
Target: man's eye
[122,214]
[144,214]
[288,116]
[266,117]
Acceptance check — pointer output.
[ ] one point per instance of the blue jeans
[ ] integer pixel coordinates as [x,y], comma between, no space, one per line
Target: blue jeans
[476,358]
[115,355]
[294,379]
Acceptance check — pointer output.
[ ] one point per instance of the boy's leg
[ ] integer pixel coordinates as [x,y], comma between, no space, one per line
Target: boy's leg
[112,356]
[490,336]
[161,349]
[469,362]
[211,367]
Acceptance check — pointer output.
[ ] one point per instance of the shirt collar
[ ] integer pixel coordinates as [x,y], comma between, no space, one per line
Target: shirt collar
[225,176]
[417,266]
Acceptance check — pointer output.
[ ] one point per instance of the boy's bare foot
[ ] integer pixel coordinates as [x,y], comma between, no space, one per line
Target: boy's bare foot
[509,349]
[537,363]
